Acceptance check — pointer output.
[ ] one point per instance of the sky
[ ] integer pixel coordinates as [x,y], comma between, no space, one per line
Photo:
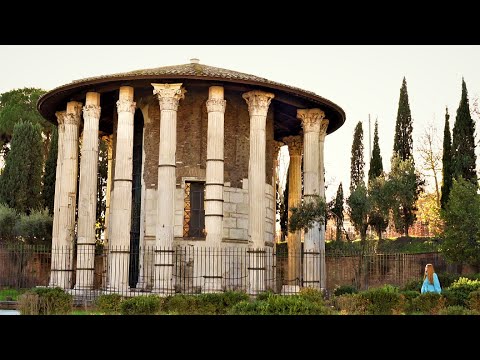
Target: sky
[361,79]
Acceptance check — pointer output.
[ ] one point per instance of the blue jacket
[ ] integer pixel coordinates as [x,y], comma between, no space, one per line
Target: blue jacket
[435,287]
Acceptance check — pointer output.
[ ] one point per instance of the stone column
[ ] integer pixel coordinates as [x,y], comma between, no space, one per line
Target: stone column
[277,145]
[87,196]
[121,207]
[321,186]
[56,256]
[109,141]
[311,120]
[214,183]
[168,96]
[295,148]
[62,255]
[258,103]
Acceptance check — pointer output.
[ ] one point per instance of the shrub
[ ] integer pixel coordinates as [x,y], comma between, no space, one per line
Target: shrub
[345,289]
[8,218]
[312,295]
[474,300]
[35,228]
[447,279]
[45,301]
[351,304]
[280,305]
[383,301]
[181,304]
[141,305]
[109,304]
[428,303]
[458,292]
[264,295]
[456,310]
[412,285]
[408,297]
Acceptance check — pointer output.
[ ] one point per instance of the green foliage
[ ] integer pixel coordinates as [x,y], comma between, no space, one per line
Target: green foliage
[141,305]
[459,291]
[447,279]
[408,298]
[376,165]
[204,304]
[379,204]
[109,303]
[280,305]
[463,146]
[413,285]
[409,245]
[383,301]
[474,300]
[312,295]
[35,228]
[403,143]
[345,289]
[308,213]
[427,303]
[461,238]
[357,162]
[45,301]
[9,294]
[264,295]
[8,218]
[359,208]
[20,105]
[351,304]
[20,182]
[337,211]
[48,192]
[404,186]
[456,310]
[447,162]
[181,304]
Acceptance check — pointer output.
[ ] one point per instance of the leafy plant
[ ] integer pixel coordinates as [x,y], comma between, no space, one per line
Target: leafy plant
[141,305]
[109,303]
[45,301]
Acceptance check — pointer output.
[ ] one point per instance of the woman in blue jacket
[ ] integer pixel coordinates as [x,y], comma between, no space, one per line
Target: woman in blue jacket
[430,282]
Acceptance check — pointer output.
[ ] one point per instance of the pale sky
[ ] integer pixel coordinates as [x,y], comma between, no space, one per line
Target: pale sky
[361,79]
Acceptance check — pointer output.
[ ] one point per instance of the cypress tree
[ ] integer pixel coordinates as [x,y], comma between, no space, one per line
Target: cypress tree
[357,163]
[338,211]
[403,143]
[447,170]
[48,192]
[376,165]
[463,147]
[20,183]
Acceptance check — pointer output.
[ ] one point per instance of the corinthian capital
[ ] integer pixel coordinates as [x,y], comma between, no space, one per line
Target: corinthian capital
[311,119]
[72,115]
[323,129]
[276,148]
[216,105]
[169,95]
[91,111]
[295,145]
[258,102]
[125,105]
[60,118]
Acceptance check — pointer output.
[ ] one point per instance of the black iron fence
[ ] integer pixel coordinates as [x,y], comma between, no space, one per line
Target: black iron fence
[194,270]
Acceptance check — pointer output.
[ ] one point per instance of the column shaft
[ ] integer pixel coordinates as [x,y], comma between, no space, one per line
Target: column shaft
[108,140]
[87,202]
[321,185]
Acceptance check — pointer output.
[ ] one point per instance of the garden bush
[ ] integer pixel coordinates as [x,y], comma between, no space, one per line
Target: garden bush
[35,228]
[412,285]
[351,304]
[8,218]
[428,303]
[109,304]
[474,300]
[181,304]
[218,303]
[141,305]
[408,297]
[447,279]
[280,305]
[385,300]
[456,310]
[458,292]
[45,301]
[345,289]
[312,295]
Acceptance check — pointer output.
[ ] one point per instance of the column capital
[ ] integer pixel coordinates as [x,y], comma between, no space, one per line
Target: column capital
[216,105]
[295,145]
[311,119]
[92,111]
[125,105]
[169,95]
[258,102]
[60,117]
[323,129]
[108,139]
[72,115]
[276,147]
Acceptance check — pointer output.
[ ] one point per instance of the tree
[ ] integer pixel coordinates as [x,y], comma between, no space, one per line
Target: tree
[48,192]
[376,165]
[461,238]
[357,163]
[307,214]
[20,183]
[447,166]
[429,212]
[359,208]
[21,105]
[403,143]
[404,187]
[431,156]
[463,148]
[337,210]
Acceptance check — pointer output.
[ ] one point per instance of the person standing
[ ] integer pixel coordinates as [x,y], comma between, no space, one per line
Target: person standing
[430,281]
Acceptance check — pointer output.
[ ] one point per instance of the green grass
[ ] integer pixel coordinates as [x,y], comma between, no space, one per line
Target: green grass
[86,312]
[10,294]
